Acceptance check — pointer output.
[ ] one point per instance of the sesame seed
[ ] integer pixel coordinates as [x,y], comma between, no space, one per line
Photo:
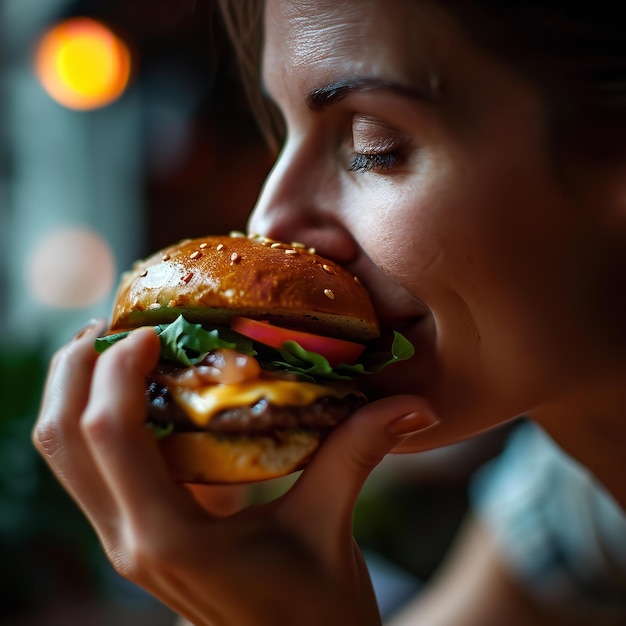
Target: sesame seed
[357,281]
[195,255]
[235,258]
[329,294]
[237,234]
[328,269]
[165,257]
[276,244]
[220,247]
[311,250]
[297,244]
[291,251]
[260,238]
[155,306]
[144,273]
[203,245]
[187,277]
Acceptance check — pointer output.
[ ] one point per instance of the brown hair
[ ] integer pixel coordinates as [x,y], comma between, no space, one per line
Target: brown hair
[575,52]
[243,22]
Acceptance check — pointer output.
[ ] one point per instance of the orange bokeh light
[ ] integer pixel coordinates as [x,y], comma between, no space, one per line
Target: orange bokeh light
[82,64]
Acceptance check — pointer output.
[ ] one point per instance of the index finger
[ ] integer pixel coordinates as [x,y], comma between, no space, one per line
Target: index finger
[57,435]
[69,374]
[114,426]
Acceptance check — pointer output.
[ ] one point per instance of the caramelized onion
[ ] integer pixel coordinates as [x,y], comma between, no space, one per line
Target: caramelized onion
[232,366]
[223,366]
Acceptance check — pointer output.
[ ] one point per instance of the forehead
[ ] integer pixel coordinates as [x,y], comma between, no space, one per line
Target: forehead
[317,39]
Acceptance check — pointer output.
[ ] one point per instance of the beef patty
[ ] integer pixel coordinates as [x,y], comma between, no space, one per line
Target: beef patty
[260,417]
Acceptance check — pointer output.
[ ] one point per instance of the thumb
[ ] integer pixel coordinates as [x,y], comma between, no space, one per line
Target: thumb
[332,481]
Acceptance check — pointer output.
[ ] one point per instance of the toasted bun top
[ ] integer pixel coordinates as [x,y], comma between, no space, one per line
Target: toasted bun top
[212,279]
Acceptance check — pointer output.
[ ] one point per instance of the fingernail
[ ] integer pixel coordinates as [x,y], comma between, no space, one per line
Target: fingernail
[91,325]
[412,423]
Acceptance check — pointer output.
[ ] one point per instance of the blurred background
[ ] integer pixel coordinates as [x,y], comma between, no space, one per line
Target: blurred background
[123,128]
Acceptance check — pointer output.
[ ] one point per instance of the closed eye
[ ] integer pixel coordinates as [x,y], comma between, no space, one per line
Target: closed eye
[373,162]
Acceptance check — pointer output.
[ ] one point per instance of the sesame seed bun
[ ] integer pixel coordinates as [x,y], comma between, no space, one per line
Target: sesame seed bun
[213,279]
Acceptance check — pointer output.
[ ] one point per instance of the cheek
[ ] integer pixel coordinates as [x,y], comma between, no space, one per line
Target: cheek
[492,262]
[403,230]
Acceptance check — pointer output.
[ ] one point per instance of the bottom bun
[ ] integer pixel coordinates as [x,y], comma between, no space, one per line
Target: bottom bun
[203,458]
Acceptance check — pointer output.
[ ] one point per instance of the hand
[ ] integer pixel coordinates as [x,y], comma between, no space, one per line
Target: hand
[289,561]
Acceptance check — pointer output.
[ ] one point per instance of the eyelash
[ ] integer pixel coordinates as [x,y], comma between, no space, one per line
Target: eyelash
[373,162]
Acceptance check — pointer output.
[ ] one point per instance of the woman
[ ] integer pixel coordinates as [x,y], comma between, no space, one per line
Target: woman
[469,168]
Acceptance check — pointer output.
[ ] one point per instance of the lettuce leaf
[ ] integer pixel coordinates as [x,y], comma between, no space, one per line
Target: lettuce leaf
[313,366]
[161,431]
[187,344]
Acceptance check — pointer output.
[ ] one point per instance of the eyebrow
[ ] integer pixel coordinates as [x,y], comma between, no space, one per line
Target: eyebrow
[322,97]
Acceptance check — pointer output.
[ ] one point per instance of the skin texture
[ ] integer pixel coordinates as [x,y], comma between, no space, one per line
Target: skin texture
[497,261]
[476,230]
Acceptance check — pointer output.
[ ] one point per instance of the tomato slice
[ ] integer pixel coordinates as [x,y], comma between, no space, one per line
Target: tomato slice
[335,351]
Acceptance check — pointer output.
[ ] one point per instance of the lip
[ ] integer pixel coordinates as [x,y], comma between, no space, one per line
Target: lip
[399,310]
[396,308]
[415,375]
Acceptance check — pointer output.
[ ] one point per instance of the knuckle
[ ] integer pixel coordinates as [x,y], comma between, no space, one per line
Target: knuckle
[47,437]
[98,424]
[139,557]
[58,413]
[50,434]
[363,461]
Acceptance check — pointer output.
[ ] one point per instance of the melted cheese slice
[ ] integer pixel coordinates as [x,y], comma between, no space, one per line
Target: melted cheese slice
[202,404]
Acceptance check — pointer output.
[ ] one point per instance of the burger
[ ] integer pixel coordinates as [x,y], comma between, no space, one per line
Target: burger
[264,347]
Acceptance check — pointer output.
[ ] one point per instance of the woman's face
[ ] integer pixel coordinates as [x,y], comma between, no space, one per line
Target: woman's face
[422,164]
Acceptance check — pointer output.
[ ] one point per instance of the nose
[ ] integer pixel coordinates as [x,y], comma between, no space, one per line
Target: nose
[301,201]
